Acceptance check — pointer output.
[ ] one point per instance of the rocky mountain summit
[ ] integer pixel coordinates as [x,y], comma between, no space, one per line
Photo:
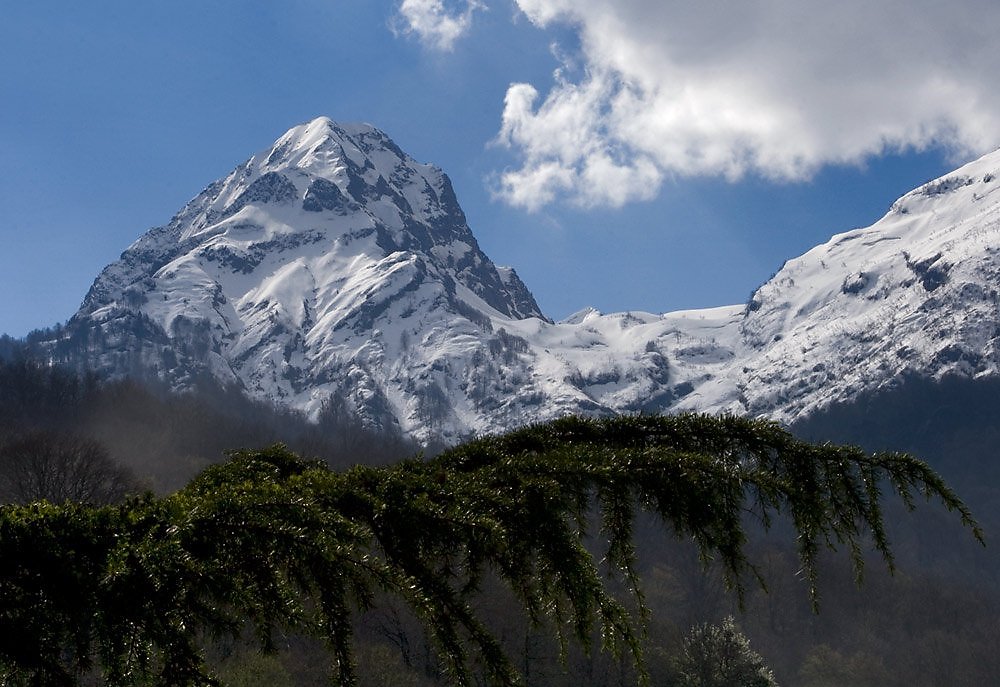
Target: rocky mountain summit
[333,269]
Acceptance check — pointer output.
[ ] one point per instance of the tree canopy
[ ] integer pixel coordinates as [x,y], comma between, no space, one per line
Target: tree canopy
[58,467]
[270,541]
[720,656]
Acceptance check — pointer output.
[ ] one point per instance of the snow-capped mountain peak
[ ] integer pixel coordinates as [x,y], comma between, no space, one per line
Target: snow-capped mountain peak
[303,268]
[332,269]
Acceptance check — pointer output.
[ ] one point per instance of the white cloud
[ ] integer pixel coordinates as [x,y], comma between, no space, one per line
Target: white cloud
[434,24]
[770,87]
[566,149]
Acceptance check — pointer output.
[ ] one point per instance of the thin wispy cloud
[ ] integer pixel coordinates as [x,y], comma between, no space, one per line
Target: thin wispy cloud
[434,24]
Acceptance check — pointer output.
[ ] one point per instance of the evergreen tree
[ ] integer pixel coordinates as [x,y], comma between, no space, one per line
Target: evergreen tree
[271,542]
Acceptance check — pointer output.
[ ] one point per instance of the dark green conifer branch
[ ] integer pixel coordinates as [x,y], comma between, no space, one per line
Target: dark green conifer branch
[276,543]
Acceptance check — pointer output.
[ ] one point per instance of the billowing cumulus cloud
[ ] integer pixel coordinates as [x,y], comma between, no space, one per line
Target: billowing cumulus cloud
[776,88]
[434,24]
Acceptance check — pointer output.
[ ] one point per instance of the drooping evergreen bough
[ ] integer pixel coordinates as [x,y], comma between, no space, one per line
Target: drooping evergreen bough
[274,542]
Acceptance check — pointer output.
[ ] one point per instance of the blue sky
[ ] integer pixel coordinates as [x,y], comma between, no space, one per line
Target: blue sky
[637,154]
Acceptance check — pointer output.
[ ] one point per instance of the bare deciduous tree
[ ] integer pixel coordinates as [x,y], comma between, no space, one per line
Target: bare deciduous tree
[45,466]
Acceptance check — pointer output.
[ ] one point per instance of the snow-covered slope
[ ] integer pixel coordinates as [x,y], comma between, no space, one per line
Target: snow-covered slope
[916,292]
[332,268]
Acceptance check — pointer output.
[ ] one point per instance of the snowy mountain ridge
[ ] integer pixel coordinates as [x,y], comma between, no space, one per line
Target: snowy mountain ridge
[916,292]
[333,269]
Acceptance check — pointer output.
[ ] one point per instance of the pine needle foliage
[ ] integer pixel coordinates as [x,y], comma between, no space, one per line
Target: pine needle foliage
[278,544]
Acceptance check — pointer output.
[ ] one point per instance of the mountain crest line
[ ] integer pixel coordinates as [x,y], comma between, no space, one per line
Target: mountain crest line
[332,267]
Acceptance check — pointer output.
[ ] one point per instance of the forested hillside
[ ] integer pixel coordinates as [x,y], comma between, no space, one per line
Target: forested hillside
[270,546]
[164,439]
[940,608]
